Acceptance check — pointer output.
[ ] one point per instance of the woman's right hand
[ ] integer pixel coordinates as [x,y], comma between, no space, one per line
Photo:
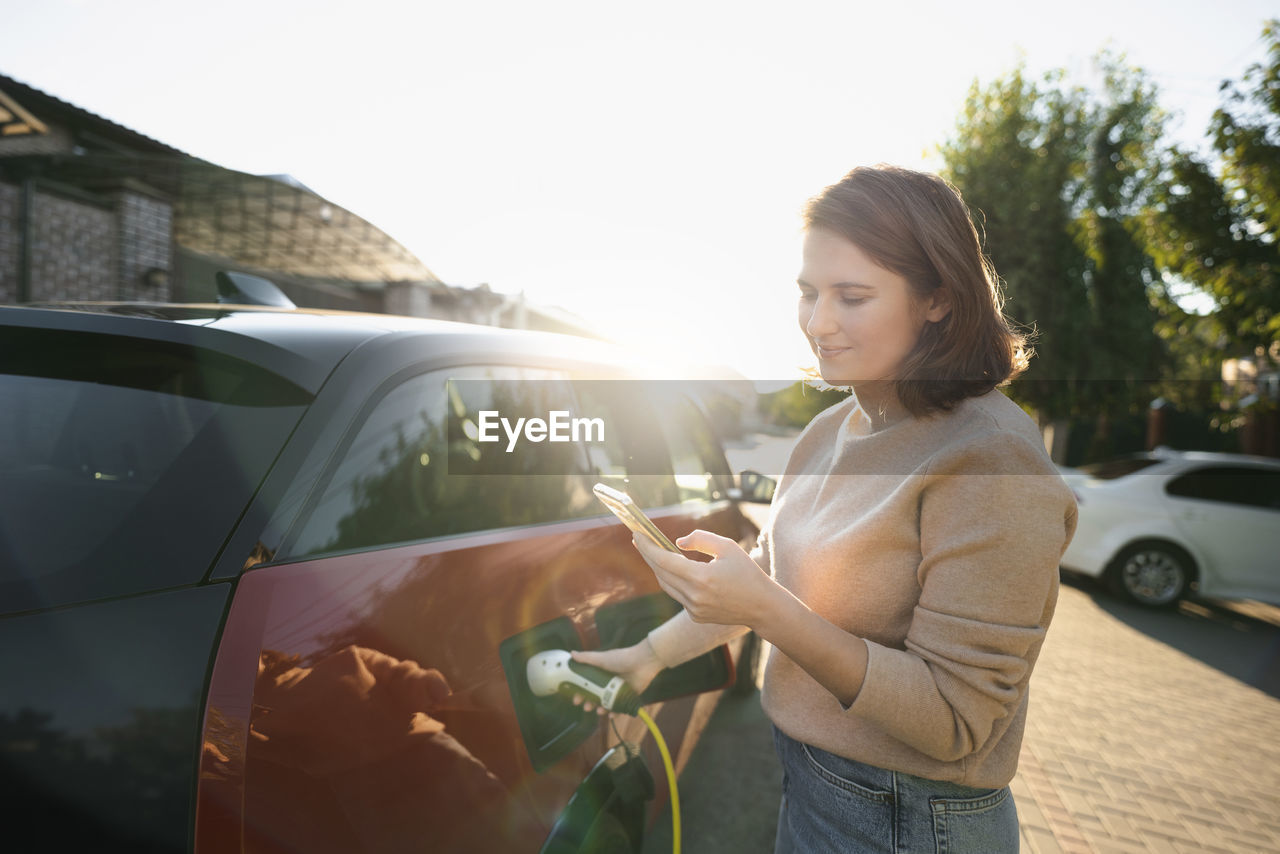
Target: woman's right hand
[637,664]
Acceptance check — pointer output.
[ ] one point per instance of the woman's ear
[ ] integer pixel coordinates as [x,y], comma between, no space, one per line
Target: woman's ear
[939,305]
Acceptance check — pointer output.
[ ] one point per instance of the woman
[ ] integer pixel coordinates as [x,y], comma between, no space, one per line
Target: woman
[909,568]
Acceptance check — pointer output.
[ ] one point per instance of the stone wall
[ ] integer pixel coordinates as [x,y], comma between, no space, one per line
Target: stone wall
[73,254]
[86,251]
[145,244]
[10,244]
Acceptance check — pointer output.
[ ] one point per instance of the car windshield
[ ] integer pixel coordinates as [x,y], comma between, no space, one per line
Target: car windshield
[1112,469]
[124,463]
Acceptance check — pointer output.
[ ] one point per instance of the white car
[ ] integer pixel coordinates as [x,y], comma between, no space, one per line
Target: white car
[1156,525]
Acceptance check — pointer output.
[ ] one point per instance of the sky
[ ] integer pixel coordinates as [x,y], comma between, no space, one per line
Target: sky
[642,165]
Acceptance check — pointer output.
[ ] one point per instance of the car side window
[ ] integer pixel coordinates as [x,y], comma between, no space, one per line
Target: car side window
[1247,486]
[701,472]
[416,468]
[632,457]
[661,450]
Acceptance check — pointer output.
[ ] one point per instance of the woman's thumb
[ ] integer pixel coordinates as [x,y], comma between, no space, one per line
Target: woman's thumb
[703,541]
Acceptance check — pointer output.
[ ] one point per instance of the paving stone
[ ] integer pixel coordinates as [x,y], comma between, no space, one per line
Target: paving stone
[1116,846]
[1038,841]
[1132,745]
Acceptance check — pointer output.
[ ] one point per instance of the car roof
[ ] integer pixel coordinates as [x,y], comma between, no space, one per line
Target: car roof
[302,344]
[1164,454]
[1218,457]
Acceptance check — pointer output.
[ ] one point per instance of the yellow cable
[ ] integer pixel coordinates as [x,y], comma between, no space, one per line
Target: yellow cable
[671,779]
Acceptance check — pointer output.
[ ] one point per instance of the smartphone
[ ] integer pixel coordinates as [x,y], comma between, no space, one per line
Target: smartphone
[632,516]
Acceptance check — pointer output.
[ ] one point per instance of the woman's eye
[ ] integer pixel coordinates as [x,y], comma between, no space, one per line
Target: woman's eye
[806,295]
[852,300]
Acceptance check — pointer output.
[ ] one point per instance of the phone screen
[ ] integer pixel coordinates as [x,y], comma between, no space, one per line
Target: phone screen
[632,516]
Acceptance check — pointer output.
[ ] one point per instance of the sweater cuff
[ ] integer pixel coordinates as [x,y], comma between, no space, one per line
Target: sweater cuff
[879,698]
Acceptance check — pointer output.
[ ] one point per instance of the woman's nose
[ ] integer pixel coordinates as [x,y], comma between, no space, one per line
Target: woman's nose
[821,319]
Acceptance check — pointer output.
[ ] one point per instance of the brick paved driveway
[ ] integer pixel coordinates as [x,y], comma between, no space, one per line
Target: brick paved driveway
[1135,743]
[1144,736]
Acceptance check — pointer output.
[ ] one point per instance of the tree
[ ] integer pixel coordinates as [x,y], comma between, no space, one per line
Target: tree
[1217,228]
[1125,355]
[797,404]
[1058,176]
[1017,156]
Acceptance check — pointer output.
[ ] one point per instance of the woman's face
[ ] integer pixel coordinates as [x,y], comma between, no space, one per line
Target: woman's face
[861,320]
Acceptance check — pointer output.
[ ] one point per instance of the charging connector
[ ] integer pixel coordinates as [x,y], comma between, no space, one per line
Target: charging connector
[555,672]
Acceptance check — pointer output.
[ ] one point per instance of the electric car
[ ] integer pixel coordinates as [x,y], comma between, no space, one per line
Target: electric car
[268,583]
[1155,525]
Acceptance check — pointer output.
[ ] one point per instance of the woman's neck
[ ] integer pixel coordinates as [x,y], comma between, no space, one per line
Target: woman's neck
[880,403]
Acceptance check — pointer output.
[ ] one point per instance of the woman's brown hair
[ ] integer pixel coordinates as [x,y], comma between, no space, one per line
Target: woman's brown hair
[916,225]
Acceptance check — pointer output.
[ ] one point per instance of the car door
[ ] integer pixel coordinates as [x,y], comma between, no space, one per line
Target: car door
[1232,514]
[124,462]
[664,454]
[420,550]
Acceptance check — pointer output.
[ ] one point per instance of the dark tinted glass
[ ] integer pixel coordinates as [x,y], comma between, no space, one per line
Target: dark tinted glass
[99,717]
[701,472]
[633,456]
[124,463]
[415,469]
[1250,487]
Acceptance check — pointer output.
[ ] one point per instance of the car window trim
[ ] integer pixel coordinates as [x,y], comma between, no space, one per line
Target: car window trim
[495,536]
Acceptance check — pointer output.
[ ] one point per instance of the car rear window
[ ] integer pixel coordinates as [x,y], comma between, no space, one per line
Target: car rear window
[1113,469]
[124,463]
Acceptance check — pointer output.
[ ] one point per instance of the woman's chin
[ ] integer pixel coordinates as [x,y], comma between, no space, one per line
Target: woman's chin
[836,378]
[850,380]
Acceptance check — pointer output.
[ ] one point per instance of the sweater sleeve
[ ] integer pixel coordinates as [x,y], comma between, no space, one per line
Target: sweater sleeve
[680,639]
[995,519]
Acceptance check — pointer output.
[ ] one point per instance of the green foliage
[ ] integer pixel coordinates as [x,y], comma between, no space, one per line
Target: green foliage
[1094,224]
[1220,231]
[797,404]
[1017,157]
[1056,177]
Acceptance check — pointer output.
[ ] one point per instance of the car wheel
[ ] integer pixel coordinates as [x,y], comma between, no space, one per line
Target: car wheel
[744,680]
[1153,574]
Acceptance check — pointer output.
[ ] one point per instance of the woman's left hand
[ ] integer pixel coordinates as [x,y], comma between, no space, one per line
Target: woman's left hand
[731,589]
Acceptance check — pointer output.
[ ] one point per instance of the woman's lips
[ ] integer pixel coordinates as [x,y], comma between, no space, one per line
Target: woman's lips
[830,352]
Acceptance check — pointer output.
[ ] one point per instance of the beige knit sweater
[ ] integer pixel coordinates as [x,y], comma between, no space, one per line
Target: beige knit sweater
[937,541]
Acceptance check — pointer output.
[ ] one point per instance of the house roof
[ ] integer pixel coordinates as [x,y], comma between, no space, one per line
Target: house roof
[267,222]
[44,107]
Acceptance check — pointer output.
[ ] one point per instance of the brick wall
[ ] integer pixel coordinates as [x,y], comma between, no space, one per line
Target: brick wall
[145,243]
[10,245]
[73,254]
[84,251]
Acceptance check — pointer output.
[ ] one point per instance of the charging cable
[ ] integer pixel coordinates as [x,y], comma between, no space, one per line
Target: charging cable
[671,780]
[555,672]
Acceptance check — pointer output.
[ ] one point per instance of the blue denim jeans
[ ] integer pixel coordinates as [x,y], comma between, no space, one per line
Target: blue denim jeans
[834,804]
